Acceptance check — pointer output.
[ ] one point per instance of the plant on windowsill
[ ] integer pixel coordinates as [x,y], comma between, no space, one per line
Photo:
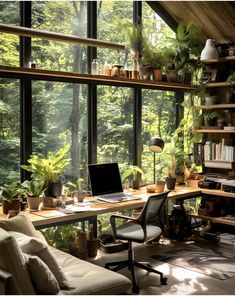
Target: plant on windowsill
[33,190]
[134,171]
[49,170]
[152,61]
[10,195]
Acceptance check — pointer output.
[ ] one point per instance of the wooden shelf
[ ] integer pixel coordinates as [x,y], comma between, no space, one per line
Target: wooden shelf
[214,131]
[220,60]
[218,164]
[217,192]
[39,74]
[218,220]
[216,106]
[220,84]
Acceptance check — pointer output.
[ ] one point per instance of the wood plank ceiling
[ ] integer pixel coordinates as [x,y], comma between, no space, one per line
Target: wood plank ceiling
[215,18]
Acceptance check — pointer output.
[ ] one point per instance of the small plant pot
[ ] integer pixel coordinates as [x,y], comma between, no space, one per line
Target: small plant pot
[160,186]
[172,76]
[34,202]
[145,72]
[135,184]
[13,206]
[54,189]
[80,194]
[157,74]
[211,100]
[220,123]
[170,183]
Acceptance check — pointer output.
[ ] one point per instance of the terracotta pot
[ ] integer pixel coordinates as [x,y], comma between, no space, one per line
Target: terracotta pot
[157,74]
[160,186]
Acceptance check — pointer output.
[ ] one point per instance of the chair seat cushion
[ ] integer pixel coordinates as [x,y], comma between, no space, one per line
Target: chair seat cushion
[134,232]
[87,278]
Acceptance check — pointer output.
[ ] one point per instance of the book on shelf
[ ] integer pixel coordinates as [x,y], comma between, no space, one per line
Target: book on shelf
[198,153]
[219,150]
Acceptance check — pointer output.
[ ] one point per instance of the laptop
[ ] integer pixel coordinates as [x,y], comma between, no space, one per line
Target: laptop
[106,183]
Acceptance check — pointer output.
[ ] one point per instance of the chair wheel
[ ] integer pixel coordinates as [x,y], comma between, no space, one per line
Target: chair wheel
[135,289]
[164,280]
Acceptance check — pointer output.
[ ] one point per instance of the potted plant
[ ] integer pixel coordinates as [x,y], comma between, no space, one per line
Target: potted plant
[49,169]
[10,195]
[33,190]
[78,189]
[135,36]
[133,170]
[171,176]
[187,44]
[153,61]
[230,94]
[209,118]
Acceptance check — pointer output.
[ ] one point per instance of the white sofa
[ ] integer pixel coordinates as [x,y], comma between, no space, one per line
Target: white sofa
[29,266]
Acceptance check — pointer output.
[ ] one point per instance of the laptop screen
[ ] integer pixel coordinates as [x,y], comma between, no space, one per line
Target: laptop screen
[105,178]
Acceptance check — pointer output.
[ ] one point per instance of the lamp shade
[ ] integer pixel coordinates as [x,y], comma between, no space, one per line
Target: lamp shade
[156,144]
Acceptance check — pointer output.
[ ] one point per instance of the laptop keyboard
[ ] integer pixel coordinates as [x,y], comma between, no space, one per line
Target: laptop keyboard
[119,194]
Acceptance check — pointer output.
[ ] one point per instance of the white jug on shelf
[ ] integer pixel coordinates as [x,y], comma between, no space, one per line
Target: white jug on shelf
[209,52]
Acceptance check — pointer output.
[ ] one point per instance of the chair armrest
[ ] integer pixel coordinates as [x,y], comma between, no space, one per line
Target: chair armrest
[113,221]
[114,216]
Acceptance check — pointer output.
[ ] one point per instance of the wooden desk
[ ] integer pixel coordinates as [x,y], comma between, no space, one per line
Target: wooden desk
[58,218]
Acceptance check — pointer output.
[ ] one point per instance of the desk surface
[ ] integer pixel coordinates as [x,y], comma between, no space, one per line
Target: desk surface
[49,217]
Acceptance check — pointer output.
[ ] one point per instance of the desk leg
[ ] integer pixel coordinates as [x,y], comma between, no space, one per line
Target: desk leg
[93,220]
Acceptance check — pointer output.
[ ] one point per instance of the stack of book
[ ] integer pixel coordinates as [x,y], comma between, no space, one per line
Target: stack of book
[215,154]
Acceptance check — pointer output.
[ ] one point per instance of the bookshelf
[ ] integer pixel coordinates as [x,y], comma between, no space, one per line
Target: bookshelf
[216,152]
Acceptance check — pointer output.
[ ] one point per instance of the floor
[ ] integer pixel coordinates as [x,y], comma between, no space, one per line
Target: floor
[180,281]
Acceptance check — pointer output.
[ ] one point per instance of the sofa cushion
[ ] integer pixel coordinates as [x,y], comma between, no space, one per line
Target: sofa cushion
[12,260]
[87,278]
[43,279]
[35,246]
[23,224]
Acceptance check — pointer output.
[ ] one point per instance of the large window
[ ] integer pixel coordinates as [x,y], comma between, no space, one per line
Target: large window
[115,125]
[60,117]
[67,17]
[59,109]
[158,118]
[9,130]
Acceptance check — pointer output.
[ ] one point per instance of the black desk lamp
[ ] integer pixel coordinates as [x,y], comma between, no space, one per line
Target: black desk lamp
[156,145]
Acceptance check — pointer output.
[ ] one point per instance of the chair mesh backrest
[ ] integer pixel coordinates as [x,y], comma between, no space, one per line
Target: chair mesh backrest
[152,209]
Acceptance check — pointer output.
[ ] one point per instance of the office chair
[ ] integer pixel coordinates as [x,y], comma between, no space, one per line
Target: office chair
[142,229]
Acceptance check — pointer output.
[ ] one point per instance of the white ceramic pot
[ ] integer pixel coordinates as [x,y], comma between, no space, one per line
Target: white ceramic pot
[209,52]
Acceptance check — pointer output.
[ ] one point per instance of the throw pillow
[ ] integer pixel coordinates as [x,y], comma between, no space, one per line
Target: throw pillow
[34,246]
[21,223]
[43,279]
